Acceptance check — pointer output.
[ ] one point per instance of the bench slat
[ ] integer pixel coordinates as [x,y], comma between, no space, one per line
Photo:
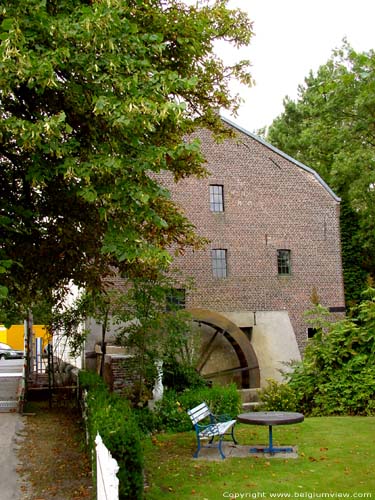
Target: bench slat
[199,413]
[216,429]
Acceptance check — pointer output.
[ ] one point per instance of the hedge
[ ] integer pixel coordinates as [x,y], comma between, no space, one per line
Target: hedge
[111,416]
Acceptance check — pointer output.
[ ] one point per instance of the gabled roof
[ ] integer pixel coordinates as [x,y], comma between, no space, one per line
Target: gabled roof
[284,155]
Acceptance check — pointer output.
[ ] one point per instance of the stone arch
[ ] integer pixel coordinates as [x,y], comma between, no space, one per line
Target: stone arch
[248,365]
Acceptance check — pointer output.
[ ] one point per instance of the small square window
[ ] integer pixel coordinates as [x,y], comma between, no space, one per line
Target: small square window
[176,298]
[283,262]
[219,263]
[311,332]
[216,198]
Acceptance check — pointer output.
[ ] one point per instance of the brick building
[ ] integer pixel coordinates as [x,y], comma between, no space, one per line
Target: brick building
[274,243]
[273,227]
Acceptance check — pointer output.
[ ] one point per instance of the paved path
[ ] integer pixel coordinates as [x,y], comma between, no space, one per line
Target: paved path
[10,425]
[10,378]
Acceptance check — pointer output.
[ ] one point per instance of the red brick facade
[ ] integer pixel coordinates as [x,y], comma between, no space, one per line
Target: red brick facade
[271,202]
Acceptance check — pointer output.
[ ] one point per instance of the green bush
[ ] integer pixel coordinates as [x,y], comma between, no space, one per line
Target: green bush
[171,411]
[337,374]
[180,376]
[112,417]
[146,419]
[278,396]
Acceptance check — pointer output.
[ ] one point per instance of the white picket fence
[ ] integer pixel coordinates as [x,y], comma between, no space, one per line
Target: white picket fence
[106,472]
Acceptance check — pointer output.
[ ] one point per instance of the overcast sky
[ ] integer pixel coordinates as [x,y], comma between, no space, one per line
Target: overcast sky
[291,38]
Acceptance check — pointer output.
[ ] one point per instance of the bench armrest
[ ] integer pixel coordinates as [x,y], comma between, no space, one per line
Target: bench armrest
[222,418]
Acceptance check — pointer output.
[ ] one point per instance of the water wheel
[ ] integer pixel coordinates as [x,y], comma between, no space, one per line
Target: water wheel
[226,353]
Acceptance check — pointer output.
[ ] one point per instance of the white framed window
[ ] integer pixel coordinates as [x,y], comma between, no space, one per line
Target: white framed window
[217,198]
[219,263]
[176,299]
[284,262]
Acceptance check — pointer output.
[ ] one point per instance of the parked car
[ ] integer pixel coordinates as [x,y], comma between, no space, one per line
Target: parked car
[7,352]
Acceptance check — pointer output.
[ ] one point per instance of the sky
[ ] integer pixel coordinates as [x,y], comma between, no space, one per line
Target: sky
[291,38]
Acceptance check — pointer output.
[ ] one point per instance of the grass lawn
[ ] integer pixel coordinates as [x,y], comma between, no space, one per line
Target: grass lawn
[336,460]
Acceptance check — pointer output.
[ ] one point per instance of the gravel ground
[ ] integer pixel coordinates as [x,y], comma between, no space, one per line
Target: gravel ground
[53,461]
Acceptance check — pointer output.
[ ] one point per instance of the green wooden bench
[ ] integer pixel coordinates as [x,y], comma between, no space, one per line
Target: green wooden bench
[210,426]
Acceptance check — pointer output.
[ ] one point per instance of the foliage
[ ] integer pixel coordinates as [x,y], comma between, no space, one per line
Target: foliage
[96,99]
[148,324]
[355,275]
[68,321]
[337,374]
[277,396]
[171,411]
[180,375]
[150,327]
[112,417]
[330,128]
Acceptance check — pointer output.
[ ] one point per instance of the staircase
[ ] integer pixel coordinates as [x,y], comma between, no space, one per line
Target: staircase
[9,392]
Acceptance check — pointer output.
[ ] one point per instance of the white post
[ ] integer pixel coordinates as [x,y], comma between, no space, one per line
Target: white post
[158,390]
[106,469]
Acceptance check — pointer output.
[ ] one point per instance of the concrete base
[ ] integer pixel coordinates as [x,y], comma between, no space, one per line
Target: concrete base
[275,344]
[242,451]
[273,341]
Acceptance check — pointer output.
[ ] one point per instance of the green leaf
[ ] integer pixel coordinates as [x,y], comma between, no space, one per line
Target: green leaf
[94,106]
[7,24]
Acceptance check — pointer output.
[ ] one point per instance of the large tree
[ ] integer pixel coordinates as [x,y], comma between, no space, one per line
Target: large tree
[331,127]
[96,98]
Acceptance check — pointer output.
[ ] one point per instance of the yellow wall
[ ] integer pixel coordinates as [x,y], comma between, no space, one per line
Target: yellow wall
[3,334]
[14,335]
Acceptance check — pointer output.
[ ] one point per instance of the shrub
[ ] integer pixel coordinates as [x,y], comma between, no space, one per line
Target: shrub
[171,411]
[146,419]
[180,376]
[337,374]
[112,417]
[278,397]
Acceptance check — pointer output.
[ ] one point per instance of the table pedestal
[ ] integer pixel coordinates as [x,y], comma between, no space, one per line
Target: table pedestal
[270,418]
[271,449]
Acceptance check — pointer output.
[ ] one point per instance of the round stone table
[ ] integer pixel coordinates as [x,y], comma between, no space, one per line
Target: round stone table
[270,418]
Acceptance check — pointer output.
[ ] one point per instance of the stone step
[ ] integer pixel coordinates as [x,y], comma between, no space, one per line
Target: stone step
[8,406]
[253,406]
[249,395]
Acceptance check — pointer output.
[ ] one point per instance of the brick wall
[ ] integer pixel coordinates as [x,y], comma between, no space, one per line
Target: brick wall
[271,203]
[120,373]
